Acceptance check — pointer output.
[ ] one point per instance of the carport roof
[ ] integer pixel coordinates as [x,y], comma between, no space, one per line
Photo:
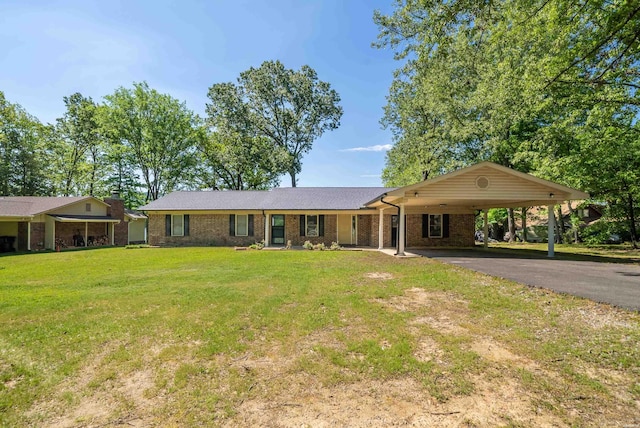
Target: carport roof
[480,186]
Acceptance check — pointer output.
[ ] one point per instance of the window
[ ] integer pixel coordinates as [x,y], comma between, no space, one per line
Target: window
[312,225]
[177,225]
[435,225]
[87,208]
[242,225]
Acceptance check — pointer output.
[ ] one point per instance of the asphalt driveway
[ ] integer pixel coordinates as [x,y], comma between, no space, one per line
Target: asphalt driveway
[614,283]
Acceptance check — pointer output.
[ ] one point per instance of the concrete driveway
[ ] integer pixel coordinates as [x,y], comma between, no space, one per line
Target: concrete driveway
[614,283]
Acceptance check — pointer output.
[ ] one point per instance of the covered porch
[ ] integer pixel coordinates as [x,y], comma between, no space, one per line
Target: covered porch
[476,188]
[64,231]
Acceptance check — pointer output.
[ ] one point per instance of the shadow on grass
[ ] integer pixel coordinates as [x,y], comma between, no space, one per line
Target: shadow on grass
[530,253]
[64,250]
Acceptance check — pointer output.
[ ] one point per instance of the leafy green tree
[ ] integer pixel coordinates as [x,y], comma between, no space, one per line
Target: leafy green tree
[159,136]
[24,152]
[236,156]
[290,108]
[79,150]
[514,82]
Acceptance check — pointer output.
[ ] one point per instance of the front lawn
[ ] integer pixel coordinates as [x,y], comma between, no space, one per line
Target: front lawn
[212,336]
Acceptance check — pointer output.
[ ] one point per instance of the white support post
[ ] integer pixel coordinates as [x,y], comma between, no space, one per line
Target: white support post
[381,230]
[267,223]
[551,238]
[485,228]
[113,228]
[28,236]
[86,233]
[401,231]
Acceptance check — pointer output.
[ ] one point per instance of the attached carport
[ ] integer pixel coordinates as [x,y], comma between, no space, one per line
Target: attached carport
[482,186]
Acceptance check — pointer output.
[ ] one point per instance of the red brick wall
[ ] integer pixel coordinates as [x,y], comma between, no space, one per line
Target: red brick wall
[292,230]
[121,230]
[65,231]
[37,236]
[364,230]
[375,221]
[204,229]
[213,229]
[461,232]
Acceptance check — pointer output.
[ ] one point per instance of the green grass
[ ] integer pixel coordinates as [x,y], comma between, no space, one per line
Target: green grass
[192,327]
[619,253]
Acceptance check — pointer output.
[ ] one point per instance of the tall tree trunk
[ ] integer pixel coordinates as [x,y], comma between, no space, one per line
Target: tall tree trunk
[574,227]
[293,178]
[512,225]
[524,224]
[632,221]
[559,225]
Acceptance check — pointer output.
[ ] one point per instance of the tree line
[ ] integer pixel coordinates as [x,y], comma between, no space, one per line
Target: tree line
[548,87]
[145,144]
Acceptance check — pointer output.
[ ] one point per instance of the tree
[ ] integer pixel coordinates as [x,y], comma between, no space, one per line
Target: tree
[514,82]
[158,134]
[235,154]
[24,152]
[80,147]
[290,108]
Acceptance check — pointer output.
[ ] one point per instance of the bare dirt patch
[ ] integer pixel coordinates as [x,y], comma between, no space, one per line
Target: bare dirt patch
[398,402]
[379,275]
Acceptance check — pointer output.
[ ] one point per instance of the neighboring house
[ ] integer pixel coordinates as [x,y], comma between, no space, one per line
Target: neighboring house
[436,212]
[39,222]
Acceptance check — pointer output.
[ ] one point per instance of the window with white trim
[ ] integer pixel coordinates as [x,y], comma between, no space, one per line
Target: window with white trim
[312,225]
[435,225]
[242,225]
[177,225]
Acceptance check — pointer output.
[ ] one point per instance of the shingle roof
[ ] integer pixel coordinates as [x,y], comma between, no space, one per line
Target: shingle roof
[287,198]
[134,214]
[24,206]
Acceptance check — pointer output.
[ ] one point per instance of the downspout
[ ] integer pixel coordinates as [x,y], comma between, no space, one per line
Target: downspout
[397,237]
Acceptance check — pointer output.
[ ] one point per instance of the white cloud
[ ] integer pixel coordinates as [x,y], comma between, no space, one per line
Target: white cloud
[376,148]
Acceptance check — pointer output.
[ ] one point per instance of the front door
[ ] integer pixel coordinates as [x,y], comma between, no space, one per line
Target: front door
[277,229]
[394,230]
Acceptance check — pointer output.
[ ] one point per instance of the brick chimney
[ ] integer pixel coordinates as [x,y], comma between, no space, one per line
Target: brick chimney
[116,210]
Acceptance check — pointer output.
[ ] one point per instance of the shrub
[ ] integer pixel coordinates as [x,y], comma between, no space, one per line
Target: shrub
[320,247]
[335,246]
[307,245]
[257,245]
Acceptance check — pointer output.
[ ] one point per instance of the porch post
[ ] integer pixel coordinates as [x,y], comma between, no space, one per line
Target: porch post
[381,230]
[485,227]
[401,232]
[267,223]
[551,231]
[113,227]
[28,236]
[86,233]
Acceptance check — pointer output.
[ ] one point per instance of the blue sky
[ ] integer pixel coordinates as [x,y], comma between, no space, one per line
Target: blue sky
[51,49]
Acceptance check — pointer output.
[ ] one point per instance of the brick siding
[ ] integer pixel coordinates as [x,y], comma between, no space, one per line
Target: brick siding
[121,230]
[204,229]
[213,229]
